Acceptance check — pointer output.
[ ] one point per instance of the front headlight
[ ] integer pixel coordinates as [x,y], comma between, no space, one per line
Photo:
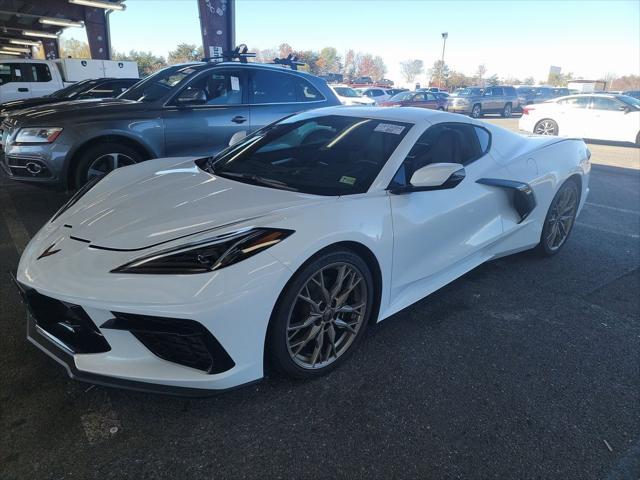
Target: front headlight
[38,135]
[207,255]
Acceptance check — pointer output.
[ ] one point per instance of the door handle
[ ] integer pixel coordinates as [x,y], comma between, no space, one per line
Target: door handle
[239,119]
[23,89]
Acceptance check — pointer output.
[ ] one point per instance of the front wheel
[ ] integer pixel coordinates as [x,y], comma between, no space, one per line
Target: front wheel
[507,111]
[560,218]
[103,158]
[546,127]
[476,111]
[321,315]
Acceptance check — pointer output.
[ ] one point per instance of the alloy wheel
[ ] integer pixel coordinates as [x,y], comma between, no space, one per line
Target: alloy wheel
[475,112]
[107,163]
[327,315]
[545,127]
[560,219]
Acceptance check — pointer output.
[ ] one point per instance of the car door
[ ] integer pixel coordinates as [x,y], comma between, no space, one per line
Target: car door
[41,81]
[14,84]
[274,94]
[489,102]
[203,116]
[441,231]
[572,115]
[608,119]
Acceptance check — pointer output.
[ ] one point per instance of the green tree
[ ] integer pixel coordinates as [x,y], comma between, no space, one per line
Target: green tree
[529,81]
[439,73]
[185,52]
[310,58]
[410,69]
[329,61]
[559,79]
[148,63]
[493,80]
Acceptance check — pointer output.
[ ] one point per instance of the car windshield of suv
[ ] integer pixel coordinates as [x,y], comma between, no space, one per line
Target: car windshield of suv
[466,92]
[158,85]
[346,92]
[398,97]
[328,155]
[73,90]
[632,101]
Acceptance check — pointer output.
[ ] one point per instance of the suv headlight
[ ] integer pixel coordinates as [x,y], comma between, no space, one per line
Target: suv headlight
[38,135]
[207,255]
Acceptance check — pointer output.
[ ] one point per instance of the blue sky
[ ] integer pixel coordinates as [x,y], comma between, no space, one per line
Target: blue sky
[512,38]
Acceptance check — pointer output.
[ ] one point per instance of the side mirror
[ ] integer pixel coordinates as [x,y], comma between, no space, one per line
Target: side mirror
[436,176]
[191,97]
[625,109]
[236,137]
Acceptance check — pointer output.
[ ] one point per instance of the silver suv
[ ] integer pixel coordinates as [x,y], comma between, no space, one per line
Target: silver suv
[477,101]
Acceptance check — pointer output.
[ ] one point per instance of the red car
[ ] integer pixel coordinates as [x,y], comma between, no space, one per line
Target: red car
[416,99]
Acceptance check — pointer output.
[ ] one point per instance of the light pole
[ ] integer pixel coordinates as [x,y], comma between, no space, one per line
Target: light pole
[444,44]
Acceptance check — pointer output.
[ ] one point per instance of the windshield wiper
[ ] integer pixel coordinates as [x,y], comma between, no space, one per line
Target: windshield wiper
[258,180]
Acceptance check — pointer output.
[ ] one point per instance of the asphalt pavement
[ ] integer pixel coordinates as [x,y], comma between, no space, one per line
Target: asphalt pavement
[525,368]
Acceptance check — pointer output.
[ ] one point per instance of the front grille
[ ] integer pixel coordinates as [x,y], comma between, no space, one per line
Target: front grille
[69,324]
[176,340]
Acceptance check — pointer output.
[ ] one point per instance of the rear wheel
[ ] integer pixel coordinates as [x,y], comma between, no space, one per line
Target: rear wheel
[560,219]
[103,158]
[506,112]
[321,315]
[476,111]
[546,127]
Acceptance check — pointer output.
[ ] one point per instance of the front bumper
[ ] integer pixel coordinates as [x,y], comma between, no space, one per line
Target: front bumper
[459,108]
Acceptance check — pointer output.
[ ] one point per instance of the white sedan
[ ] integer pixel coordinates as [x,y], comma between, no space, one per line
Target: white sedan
[597,116]
[188,274]
[348,96]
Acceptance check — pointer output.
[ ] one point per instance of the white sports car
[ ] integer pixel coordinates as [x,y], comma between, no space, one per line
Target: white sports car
[191,274]
[598,116]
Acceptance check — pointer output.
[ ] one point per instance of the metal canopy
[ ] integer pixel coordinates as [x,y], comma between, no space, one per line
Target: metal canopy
[18,16]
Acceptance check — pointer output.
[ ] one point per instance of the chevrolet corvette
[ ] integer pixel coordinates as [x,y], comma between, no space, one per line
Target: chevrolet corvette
[194,275]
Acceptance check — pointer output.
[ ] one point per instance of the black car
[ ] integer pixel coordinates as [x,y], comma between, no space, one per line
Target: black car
[530,94]
[96,88]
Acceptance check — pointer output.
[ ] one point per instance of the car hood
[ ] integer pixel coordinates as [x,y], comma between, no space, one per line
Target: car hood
[76,110]
[26,103]
[160,201]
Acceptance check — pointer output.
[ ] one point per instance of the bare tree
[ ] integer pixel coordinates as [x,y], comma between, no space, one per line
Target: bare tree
[410,69]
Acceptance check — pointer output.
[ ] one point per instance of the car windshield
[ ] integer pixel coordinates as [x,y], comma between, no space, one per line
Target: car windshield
[398,97]
[466,92]
[634,102]
[327,155]
[159,84]
[346,92]
[73,90]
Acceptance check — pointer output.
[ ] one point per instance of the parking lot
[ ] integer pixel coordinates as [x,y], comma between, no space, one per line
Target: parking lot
[524,368]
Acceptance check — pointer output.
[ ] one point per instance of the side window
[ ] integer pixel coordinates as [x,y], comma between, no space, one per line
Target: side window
[488,92]
[10,72]
[498,91]
[419,97]
[444,143]
[575,102]
[273,87]
[40,72]
[220,88]
[603,103]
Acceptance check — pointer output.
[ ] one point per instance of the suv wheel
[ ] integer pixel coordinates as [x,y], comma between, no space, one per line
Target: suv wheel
[103,158]
[507,111]
[476,111]
[546,127]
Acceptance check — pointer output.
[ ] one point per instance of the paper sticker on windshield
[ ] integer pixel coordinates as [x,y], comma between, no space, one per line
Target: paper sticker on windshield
[389,128]
[347,180]
[235,84]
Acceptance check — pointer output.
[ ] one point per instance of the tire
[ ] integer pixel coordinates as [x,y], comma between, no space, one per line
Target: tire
[441,109]
[638,139]
[546,126]
[299,340]
[100,159]
[550,244]
[476,111]
[506,112]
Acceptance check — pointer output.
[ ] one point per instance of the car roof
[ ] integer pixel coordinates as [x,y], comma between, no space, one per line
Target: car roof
[249,65]
[404,114]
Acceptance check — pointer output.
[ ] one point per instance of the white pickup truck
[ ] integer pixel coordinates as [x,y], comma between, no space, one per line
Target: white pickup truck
[27,78]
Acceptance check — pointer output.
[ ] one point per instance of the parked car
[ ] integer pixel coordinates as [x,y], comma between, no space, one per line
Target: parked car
[348,96]
[333,77]
[632,93]
[384,82]
[596,116]
[96,88]
[395,91]
[432,89]
[363,81]
[476,101]
[416,99]
[191,109]
[530,94]
[377,94]
[188,275]
[22,78]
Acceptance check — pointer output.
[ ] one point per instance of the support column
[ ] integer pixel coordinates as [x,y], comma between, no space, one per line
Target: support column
[95,23]
[51,48]
[217,24]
